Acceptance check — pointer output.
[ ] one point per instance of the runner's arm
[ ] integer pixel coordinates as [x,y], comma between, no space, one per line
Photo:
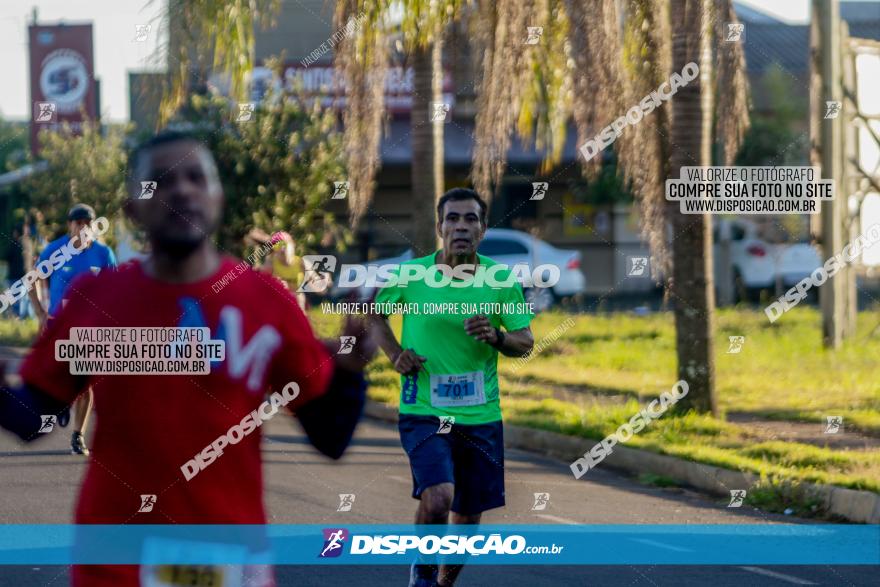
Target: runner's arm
[330,419]
[48,386]
[385,336]
[39,309]
[21,408]
[510,343]
[516,343]
[332,385]
[405,361]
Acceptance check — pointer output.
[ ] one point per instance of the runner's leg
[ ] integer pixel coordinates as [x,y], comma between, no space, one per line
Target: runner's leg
[435,504]
[448,573]
[83,407]
[430,457]
[478,452]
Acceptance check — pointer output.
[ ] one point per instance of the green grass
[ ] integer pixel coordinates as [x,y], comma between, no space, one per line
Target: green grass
[17,332]
[657,480]
[783,372]
[609,366]
[604,368]
[783,496]
[703,439]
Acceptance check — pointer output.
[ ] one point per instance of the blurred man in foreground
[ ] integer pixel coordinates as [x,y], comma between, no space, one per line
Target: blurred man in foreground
[150,426]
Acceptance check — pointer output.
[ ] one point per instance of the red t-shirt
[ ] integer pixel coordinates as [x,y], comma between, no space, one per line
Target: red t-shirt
[148,426]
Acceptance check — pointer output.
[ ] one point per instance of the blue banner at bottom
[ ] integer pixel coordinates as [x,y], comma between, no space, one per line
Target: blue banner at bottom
[492,544]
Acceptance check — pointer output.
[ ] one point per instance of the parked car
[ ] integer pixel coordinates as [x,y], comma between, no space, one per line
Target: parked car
[512,247]
[757,264]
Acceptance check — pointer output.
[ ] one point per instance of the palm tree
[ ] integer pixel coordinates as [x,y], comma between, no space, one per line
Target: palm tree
[427,143]
[659,42]
[219,30]
[692,278]
[590,67]
[616,69]
[594,60]
[363,58]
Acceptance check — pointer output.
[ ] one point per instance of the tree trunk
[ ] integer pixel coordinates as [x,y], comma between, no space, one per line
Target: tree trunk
[692,286]
[427,145]
[827,154]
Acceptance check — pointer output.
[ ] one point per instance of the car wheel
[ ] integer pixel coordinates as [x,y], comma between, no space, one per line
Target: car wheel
[541,297]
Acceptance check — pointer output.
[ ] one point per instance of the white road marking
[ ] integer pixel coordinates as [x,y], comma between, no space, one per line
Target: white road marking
[780,576]
[399,478]
[661,545]
[557,519]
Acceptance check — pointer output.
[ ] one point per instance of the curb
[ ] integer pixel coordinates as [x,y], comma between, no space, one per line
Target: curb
[853,505]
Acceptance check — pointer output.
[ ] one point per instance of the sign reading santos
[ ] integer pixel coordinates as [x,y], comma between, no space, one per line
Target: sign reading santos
[324,81]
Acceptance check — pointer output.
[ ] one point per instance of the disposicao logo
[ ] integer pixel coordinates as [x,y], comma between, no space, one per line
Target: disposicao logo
[334,538]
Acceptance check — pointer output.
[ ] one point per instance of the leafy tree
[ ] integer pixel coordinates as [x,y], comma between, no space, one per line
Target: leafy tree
[606,188]
[777,137]
[13,154]
[278,168]
[87,167]
[13,145]
[222,31]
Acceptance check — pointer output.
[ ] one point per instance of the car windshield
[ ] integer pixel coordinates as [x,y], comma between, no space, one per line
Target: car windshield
[502,246]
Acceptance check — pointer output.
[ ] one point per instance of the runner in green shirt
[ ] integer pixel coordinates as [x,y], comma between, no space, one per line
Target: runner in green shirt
[465,310]
[459,375]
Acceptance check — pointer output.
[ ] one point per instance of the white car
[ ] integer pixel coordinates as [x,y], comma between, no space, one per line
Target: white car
[512,247]
[758,265]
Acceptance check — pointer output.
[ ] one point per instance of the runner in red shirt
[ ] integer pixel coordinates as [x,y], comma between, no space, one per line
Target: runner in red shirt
[149,426]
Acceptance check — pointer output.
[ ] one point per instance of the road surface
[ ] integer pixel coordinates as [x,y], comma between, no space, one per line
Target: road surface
[39,484]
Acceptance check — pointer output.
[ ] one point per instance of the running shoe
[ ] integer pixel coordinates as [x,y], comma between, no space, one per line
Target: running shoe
[423,575]
[78,444]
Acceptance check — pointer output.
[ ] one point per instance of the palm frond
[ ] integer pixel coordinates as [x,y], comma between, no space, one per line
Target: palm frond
[644,148]
[223,29]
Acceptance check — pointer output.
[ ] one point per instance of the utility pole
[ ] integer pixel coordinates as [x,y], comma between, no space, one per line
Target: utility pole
[826,151]
[851,207]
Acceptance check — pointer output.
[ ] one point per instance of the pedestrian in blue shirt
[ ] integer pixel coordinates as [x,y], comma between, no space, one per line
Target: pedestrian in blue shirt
[93,257]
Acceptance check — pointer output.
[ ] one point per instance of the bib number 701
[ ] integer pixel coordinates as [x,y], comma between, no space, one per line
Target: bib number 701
[462,389]
[457,390]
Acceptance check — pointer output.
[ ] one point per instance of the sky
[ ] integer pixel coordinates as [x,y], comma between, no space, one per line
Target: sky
[116,52]
[789,11]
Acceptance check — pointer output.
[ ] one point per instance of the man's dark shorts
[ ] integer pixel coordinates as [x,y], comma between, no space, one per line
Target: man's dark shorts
[470,456]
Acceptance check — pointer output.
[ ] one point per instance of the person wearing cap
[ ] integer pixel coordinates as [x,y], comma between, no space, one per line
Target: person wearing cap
[94,257]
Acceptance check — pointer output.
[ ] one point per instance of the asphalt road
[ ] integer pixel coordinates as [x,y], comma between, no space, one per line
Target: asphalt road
[38,485]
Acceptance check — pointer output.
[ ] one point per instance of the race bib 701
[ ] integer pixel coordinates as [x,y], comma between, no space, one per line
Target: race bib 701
[462,389]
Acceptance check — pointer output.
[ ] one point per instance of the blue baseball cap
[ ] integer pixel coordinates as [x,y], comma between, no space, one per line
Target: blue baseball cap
[81,212]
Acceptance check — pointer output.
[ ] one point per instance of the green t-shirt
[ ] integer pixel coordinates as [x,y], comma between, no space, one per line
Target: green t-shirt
[460,377]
